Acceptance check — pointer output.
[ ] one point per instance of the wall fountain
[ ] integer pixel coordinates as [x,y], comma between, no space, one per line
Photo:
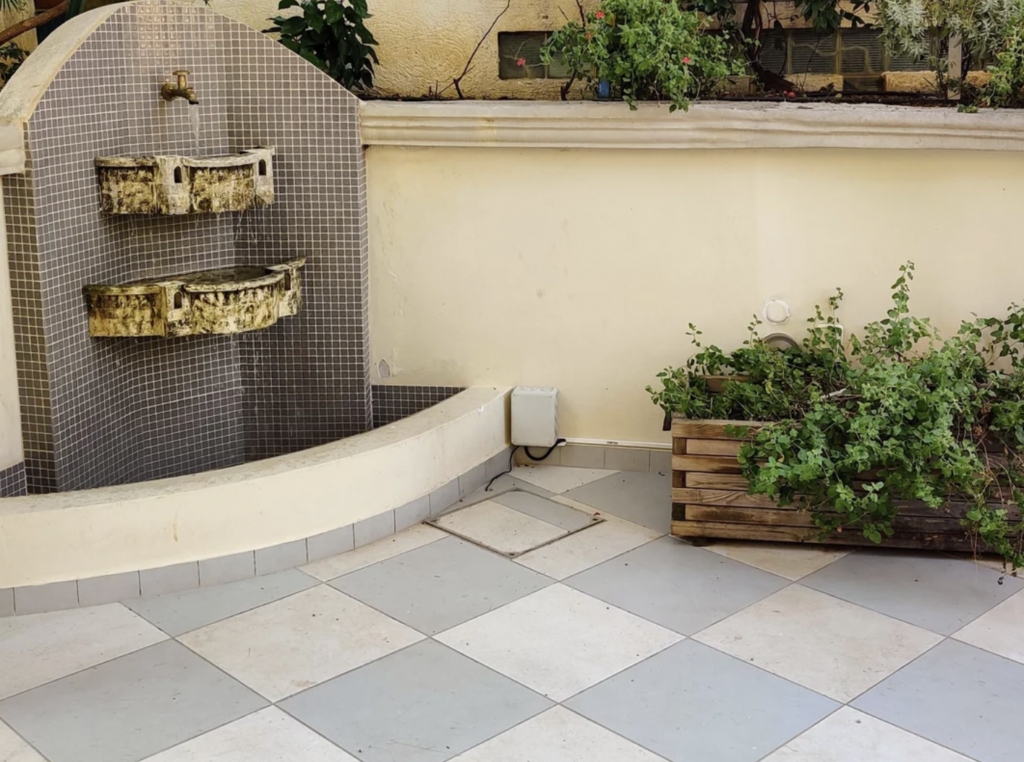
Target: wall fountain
[223,258]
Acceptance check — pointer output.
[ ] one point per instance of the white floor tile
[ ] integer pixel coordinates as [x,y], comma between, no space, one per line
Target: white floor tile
[557,479]
[499,527]
[852,736]
[300,641]
[410,539]
[1000,631]
[587,548]
[788,560]
[48,646]
[558,641]
[558,735]
[825,644]
[13,749]
[269,735]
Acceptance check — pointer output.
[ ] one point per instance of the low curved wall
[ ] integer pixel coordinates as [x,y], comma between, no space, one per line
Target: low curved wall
[413,465]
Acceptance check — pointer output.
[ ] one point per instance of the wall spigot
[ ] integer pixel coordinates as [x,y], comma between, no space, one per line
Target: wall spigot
[169,91]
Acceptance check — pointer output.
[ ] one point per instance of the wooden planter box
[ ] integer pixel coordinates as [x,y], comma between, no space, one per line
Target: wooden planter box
[710,500]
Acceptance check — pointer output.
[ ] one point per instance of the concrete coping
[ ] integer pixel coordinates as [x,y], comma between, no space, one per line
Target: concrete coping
[110,530]
[608,125]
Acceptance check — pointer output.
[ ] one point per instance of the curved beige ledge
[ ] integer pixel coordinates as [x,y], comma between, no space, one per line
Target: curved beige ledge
[506,124]
[93,533]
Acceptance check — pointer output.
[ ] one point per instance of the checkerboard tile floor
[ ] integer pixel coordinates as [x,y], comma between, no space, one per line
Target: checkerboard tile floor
[613,643]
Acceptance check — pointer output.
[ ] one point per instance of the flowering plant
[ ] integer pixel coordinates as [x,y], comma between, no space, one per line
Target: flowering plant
[646,50]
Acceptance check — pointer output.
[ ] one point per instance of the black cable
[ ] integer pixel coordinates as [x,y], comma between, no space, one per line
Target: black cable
[546,454]
[512,456]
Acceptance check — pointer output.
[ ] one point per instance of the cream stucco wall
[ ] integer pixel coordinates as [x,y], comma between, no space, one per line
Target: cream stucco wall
[426,43]
[580,269]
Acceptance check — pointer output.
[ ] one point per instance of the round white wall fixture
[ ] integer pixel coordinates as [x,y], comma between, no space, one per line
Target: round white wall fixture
[776,311]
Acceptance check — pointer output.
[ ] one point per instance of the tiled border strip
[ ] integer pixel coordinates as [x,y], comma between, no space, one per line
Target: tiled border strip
[642,459]
[58,596]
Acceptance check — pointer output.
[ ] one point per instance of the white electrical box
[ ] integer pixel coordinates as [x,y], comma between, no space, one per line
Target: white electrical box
[534,417]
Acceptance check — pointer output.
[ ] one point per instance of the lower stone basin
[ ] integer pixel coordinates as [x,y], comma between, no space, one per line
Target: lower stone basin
[232,300]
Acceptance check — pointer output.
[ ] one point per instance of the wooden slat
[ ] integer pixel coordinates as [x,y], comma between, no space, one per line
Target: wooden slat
[934,541]
[781,517]
[729,447]
[722,497]
[689,429]
[698,480]
[706,463]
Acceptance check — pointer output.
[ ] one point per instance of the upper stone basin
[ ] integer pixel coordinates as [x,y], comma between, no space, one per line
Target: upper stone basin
[186,185]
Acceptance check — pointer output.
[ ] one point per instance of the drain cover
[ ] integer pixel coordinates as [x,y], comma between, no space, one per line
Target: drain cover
[515,522]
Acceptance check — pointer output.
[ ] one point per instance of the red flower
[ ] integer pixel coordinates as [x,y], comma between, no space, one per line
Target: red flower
[590,36]
[686,60]
[521,62]
[599,15]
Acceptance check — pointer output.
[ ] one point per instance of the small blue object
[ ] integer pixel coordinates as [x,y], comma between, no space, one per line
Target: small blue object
[604,89]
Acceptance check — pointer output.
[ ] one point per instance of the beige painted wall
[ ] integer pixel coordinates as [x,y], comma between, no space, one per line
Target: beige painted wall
[426,42]
[580,269]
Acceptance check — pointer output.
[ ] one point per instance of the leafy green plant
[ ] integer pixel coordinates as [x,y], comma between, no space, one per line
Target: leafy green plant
[1005,88]
[923,29]
[860,424]
[331,35]
[11,59]
[646,50]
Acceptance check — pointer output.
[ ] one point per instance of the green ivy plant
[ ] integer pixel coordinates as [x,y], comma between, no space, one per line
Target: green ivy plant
[331,35]
[857,425]
[1005,88]
[645,50]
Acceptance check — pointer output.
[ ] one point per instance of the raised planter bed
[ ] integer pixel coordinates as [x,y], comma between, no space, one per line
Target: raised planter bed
[710,501]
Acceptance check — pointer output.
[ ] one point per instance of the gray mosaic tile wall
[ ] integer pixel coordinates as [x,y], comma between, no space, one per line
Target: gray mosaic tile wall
[12,480]
[392,403]
[97,412]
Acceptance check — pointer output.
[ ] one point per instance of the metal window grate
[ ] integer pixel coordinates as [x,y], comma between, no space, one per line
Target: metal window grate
[853,52]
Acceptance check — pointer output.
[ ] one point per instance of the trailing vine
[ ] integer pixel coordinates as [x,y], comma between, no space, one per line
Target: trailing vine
[860,425]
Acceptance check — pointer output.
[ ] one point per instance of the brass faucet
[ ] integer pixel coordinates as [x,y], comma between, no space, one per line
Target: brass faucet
[170,92]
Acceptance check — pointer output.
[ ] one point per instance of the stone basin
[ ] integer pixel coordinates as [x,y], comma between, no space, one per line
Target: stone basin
[156,185]
[232,300]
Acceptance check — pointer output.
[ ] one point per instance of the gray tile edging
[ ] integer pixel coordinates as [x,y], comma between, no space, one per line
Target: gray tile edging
[613,458]
[58,596]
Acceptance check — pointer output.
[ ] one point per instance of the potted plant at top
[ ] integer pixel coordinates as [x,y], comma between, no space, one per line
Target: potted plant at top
[644,50]
[896,437]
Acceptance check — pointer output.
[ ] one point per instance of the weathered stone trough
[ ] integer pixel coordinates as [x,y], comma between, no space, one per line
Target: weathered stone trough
[182,185]
[234,300]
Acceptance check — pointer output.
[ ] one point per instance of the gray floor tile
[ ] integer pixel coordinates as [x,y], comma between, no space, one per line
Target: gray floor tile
[937,593]
[178,613]
[440,585]
[506,483]
[130,708]
[692,703]
[560,515]
[676,585]
[958,696]
[644,499]
[425,703]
